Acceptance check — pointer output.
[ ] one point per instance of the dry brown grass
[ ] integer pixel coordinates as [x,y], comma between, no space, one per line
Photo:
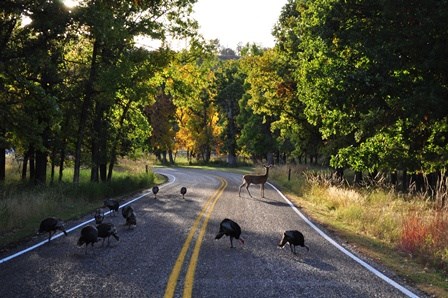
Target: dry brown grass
[386,224]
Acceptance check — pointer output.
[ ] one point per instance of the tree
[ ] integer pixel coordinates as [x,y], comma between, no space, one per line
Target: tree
[112,29]
[230,82]
[31,77]
[190,81]
[364,81]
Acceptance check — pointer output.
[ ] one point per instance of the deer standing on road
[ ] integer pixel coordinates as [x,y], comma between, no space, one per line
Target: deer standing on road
[255,179]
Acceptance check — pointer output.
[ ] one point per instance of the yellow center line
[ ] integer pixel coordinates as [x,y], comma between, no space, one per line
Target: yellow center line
[189,278]
[172,280]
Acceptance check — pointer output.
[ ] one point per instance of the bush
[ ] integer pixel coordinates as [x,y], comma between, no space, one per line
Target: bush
[426,237]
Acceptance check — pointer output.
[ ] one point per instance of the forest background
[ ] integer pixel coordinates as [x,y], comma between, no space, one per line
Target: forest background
[356,86]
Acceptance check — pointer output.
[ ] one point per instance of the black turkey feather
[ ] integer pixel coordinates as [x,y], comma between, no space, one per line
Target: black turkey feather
[51,225]
[183,191]
[112,204]
[89,235]
[127,211]
[155,190]
[230,228]
[294,238]
[105,230]
[131,220]
[129,215]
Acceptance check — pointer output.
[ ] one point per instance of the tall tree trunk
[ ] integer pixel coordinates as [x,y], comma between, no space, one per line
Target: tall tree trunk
[394,178]
[102,155]
[94,160]
[164,160]
[41,167]
[405,182]
[3,153]
[61,161]
[231,159]
[103,172]
[25,164]
[2,164]
[96,135]
[358,178]
[170,156]
[113,154]
[89,93]
[53,165]
[339,174]
[111,169]
[419,182]
[31,157]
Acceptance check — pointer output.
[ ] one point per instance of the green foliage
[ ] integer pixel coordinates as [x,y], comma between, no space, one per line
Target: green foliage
[364,81]
[76,84]
[230,82]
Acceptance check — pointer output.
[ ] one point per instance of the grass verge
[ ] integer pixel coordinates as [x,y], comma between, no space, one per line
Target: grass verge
[377,224]
[23,206]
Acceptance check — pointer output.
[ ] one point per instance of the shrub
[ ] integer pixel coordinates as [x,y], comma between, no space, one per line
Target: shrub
[426,237]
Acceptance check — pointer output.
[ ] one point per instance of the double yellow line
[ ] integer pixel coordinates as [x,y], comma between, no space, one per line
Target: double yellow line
[189,277]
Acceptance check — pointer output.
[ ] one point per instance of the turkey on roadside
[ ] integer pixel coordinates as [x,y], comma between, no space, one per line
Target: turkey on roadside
[105,230]
[127,211]
[112,204]
[51,225]
[155,190]
[99,216]
[230,228]
[89,235]
[183,191]
[131,220]
[294,238]
[129,215]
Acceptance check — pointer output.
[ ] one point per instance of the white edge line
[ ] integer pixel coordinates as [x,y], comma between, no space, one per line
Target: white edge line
[345,251]
[8,258]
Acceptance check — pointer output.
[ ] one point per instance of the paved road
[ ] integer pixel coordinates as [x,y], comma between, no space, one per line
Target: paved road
[172,252]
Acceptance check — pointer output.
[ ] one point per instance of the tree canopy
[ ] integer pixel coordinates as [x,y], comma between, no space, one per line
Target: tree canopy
[349,84]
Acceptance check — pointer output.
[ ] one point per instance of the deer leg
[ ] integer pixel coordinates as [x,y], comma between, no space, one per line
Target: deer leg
[239,194]
[247,187]
[262,190]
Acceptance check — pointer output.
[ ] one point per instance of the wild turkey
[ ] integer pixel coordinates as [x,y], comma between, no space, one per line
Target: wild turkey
[155,190]
[89,235]
[99,216]
[129,215]
[112,205]
[105,230]
[294,238]
[50,225]
[127,211]
[131,220]
[183,191]
[230,228]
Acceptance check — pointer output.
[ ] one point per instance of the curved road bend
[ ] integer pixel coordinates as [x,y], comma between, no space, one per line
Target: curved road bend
[172,251]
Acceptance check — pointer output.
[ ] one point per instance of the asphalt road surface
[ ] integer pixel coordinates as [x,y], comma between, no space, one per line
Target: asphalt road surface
[172,251]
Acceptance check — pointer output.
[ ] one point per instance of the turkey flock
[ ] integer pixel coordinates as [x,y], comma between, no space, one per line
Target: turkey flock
[91,234]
